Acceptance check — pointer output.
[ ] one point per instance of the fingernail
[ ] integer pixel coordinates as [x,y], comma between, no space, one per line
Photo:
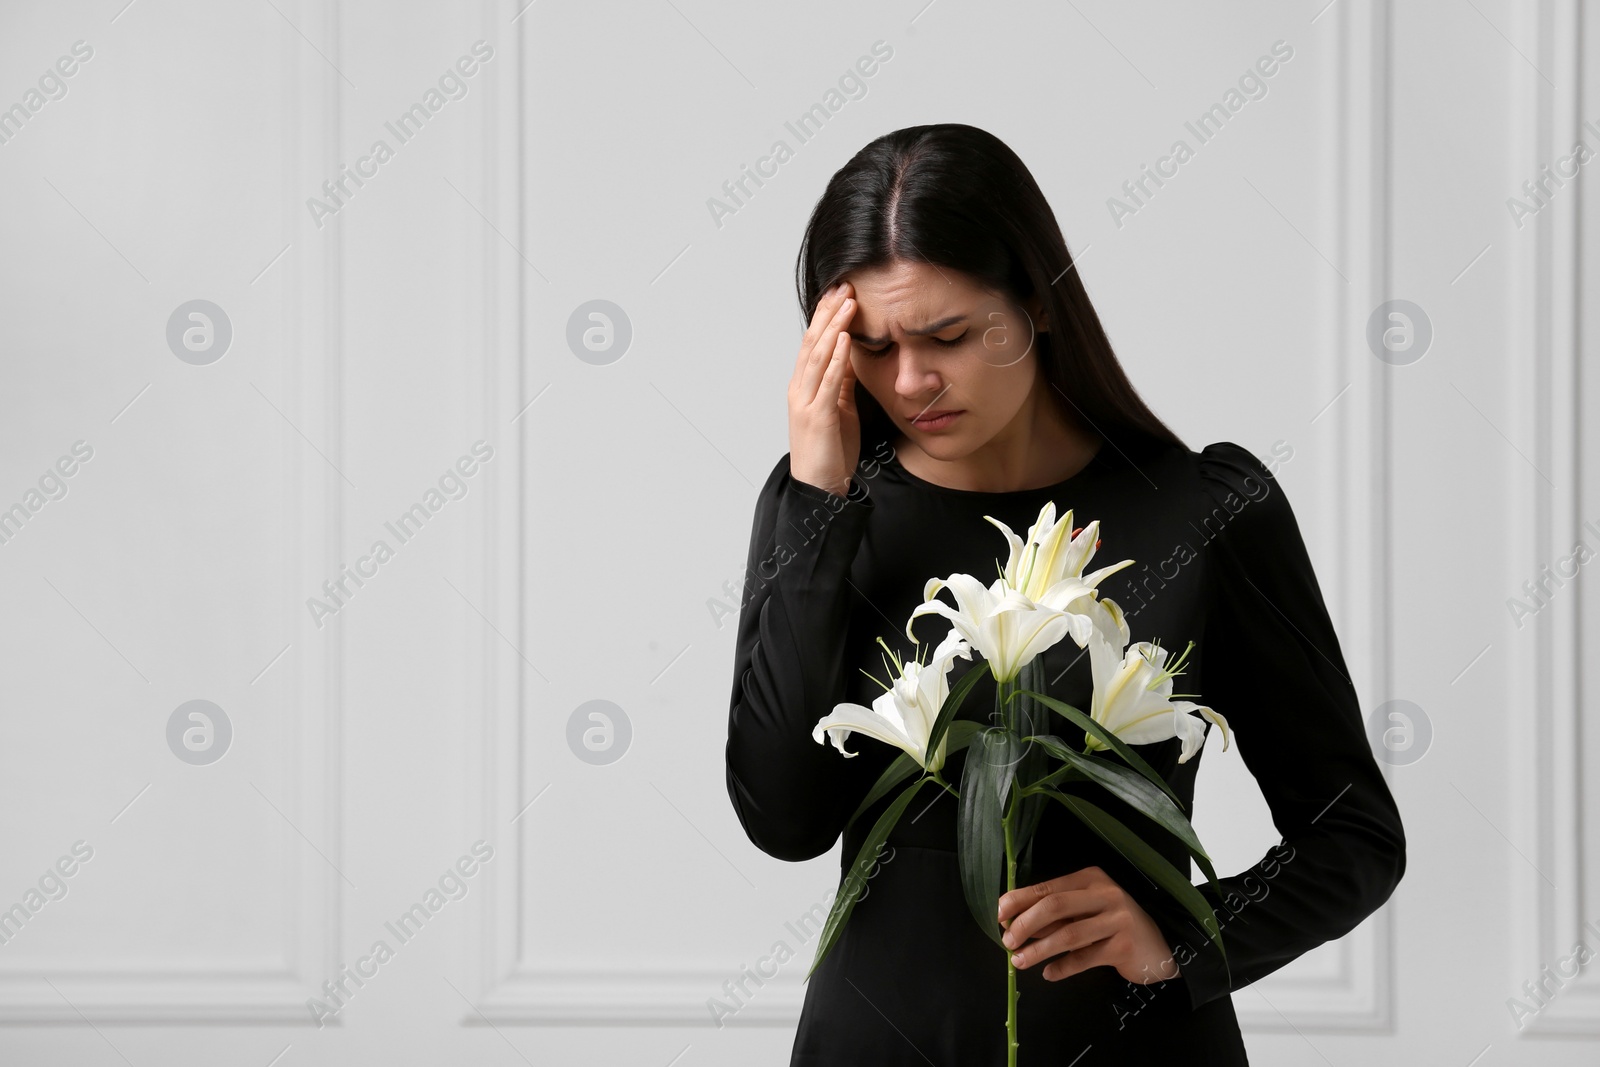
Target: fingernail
[1016,958]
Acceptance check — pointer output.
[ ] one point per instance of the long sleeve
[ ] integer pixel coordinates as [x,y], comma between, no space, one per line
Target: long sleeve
[1272,666]
[791,794]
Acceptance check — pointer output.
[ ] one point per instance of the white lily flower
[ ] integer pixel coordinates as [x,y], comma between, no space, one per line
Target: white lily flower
[1133,698]
[1109,623]
[1038,566]
[1005,626]
[1040,597]
[904,714]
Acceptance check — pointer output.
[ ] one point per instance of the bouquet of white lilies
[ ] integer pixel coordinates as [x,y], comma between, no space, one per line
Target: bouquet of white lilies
[1040,597]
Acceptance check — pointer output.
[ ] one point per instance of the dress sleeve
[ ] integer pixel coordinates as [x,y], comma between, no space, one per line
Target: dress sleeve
[791,794]
[1272,666]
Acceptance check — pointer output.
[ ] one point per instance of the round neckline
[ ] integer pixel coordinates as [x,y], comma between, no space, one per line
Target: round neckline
[1095,461]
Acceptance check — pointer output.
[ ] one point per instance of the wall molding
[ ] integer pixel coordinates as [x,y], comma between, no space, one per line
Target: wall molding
[1549,906]
[1352,989]
[312,532]
[500,780]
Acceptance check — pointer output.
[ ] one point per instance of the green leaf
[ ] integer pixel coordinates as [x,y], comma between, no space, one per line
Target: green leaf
[1106,737]
[1148,860]
[980,833]
[844,902]
[1030,768]
[1137,792]
[952,702]
[960,734]
[1030,809]
[905,765]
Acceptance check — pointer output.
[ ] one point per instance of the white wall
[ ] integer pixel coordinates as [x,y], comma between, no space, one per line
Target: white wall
[373,346]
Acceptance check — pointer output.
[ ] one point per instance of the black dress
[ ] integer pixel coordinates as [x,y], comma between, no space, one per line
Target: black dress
[913,980]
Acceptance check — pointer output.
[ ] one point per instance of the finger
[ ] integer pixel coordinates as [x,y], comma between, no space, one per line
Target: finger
[1044,931]
[835,323]
[819,315]
[1079,960]
[833,377]
[1023,897]
[826,308]
[1068,937]
[822,352]
[1068,904]
[847,377]
[815,350]
[824,311]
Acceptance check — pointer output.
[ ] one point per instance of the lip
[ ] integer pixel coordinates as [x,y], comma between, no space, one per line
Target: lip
[937,420]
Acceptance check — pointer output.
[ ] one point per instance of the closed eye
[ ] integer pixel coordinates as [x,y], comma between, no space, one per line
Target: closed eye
[941,342]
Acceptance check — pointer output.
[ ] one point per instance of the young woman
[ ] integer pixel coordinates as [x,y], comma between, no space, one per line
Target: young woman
[954,369]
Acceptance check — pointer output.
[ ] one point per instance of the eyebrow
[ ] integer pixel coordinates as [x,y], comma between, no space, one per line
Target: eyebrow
[932,327]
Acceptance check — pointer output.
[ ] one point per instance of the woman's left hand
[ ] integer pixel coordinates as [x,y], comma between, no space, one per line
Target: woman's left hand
[1092,919]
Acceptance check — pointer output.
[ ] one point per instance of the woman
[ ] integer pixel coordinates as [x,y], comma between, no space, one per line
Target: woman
[954,369]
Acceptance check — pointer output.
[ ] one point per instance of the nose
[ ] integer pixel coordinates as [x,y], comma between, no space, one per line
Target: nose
[914,376]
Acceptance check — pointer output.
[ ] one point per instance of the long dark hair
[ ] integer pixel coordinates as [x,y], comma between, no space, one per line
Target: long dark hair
[956,196]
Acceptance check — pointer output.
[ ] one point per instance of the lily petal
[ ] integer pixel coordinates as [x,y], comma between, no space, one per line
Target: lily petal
[853,718]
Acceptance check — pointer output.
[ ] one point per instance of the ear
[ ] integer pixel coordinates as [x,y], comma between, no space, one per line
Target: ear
[1036,311]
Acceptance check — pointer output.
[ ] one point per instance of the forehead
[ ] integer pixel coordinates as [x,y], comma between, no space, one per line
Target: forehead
[902,281]
[903,294]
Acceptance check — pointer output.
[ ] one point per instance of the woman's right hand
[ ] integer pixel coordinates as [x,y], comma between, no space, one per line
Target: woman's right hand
[824,428]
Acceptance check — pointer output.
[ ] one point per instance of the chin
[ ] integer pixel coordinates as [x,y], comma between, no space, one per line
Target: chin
[942,446]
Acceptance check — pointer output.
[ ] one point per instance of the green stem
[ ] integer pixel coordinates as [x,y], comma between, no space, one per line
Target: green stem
[1006,821]
[1011,968]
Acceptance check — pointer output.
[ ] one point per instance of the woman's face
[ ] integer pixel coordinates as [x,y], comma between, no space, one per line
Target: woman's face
[926,341]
